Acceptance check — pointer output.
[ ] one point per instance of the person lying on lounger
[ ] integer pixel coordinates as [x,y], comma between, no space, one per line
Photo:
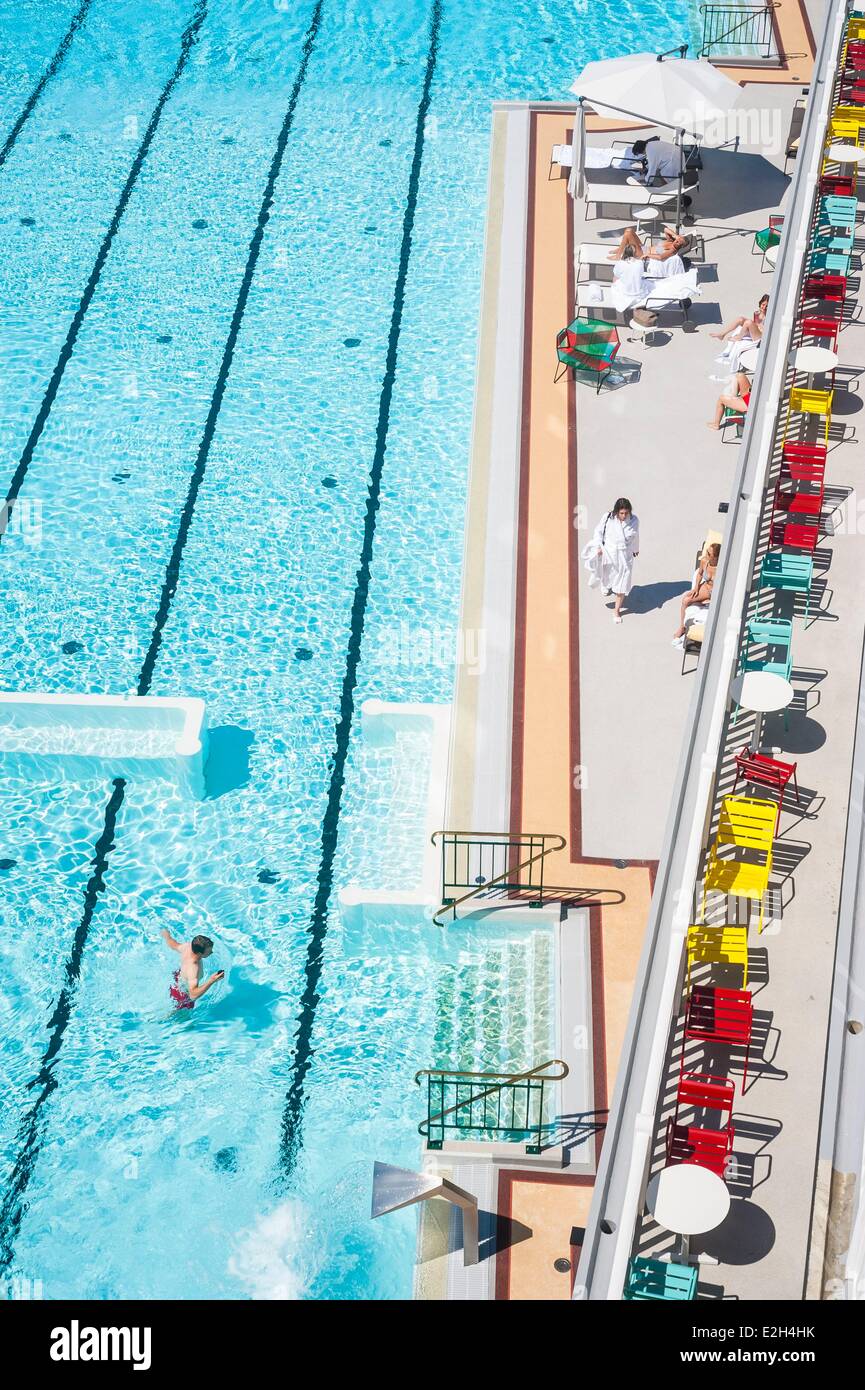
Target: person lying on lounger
[737,402]
[671,245]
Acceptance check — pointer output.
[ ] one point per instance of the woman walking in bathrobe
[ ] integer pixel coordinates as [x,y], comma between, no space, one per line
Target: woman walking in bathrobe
[616,544]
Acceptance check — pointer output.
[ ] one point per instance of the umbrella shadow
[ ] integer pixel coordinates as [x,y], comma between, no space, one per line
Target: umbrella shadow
[734,183]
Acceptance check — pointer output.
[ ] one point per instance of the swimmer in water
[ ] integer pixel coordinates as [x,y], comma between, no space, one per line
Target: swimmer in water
[186,988]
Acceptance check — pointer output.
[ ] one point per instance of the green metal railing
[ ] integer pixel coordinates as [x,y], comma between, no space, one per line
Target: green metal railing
[488,1102]
[738,29]
[482,862]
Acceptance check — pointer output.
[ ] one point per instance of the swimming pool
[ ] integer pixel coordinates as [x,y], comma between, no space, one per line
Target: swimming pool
[242,250]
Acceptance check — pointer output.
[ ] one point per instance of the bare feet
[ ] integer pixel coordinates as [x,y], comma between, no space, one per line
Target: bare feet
[719,336]
[710,425]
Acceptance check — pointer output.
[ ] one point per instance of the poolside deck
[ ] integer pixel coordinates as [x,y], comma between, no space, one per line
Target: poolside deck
[586,742]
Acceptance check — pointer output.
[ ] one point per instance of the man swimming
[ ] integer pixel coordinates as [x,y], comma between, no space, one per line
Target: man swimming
[186,988]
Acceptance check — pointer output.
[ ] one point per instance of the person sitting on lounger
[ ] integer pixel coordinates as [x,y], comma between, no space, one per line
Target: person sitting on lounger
[745,327]
[737,402]
[629,276]
[701,589]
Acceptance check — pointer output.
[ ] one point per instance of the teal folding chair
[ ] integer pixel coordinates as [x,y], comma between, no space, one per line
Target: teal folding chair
[829,262]
[660,1281]
[788,572]
[776,637]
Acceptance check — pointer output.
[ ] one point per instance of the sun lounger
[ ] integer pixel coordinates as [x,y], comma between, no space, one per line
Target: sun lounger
[602,301]
[592,259]
[634,195]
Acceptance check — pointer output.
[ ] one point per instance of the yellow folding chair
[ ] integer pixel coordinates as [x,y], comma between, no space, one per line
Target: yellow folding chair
[748,825]
[726,945]
[856,27]
[844,130]
[806,401]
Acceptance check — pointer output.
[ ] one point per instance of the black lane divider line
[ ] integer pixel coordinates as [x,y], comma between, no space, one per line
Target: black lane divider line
[292,1120]
[27,110]
[172,572]
[190,37]
[30,1136]
[13,1208]
[29,1141]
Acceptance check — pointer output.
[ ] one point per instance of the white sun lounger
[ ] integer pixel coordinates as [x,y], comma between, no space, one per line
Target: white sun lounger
[599,301]
[592,259]
[633,195]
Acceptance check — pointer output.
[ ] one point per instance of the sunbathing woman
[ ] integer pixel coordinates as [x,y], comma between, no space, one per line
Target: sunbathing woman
[738,402]
[670,246]
[744,327]
[701,591]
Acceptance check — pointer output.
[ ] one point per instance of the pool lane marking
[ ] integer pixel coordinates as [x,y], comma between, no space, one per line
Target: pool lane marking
[29,1138]
[290,1140]
[190,37]
[172,572]
[13,1207]
[27,110]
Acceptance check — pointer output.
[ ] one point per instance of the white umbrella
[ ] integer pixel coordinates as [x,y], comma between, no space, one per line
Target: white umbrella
[682,93]
[685,94]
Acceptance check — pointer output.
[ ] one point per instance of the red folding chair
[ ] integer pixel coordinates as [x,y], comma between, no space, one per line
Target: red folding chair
[793,535]
[696,1143]
[837,185]
[803,463]
[806,506]
[822,327]
[766,772]
[721,1016]
[831,288]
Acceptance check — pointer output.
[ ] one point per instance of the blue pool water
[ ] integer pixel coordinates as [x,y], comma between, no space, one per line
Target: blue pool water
[144,1156]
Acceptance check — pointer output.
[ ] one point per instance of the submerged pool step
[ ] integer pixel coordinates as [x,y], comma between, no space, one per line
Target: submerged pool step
[495,1006]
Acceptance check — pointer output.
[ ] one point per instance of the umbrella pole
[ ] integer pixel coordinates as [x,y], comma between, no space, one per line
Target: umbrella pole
[681,147]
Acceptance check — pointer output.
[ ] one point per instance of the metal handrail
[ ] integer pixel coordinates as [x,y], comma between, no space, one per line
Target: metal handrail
[504,838]
[751,14]
[503,1080]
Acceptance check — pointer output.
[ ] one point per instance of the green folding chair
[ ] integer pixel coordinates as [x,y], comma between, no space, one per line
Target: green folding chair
[587,345]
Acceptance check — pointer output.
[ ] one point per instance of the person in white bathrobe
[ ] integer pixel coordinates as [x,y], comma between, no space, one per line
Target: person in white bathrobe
[617,544]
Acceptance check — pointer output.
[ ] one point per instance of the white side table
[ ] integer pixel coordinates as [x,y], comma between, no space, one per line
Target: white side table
[761,692]
[687,1200]
[845,154]
[813,360]
[646,217]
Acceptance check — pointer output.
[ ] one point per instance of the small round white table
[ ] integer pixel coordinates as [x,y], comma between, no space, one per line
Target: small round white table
[845,154]
[650,215]
[762,692]
[812,360]
[687,1200]
[771,254]
[748,359]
